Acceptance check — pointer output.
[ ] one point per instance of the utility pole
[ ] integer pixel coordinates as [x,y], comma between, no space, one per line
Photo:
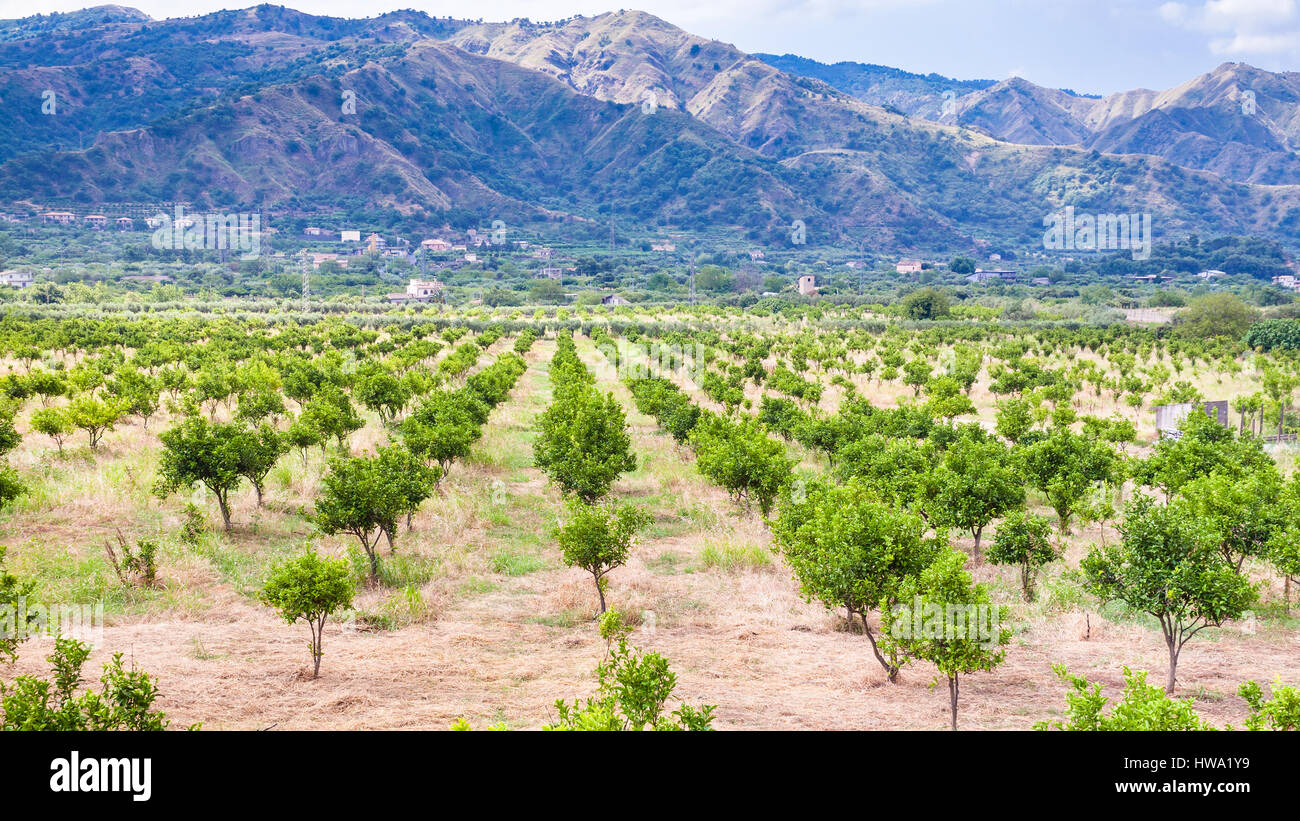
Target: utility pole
[306,279]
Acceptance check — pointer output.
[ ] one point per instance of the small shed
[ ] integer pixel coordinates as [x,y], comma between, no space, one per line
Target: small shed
[1169,417]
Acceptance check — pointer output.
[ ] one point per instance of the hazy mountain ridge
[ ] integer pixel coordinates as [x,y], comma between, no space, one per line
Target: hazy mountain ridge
[1209,123]
[547,121]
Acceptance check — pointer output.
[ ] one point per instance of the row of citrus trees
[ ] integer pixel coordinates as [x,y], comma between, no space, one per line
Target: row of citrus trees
[365,496]
[872,539]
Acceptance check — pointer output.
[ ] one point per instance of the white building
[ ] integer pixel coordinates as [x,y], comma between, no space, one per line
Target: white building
[418,290]
[16,279]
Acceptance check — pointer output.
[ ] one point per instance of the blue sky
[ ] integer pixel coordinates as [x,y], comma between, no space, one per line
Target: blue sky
[1091,46]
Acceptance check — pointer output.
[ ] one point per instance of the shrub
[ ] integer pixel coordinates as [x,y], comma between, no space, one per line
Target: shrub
[309,588]
[1143,707]
[124,702]
[632,693]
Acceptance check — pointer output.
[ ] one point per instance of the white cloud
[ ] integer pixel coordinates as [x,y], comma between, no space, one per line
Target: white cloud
[1241,27]
[1174,12]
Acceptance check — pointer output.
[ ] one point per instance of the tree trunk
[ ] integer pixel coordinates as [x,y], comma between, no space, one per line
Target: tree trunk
[225,511]
[1173,664]
[317,651]
[600,591]
[891,670]
[952,696]
[979,531]
[374,557]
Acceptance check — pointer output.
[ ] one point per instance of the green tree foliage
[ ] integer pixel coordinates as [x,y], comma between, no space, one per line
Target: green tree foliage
[54,423]
[1066,466]
[135,391]
[1144,707]
[11,486]
[1170,567]
[945,398]
[329,414]
[633,692]
[975,481]
[367,495]
[916,374]
[1215,315]
[583,443]
[124,701]
[1204,447]
[13,591]
[1242,516]
[670,406]
[444,427]
[1015,419]
[848,549]
[96,416]
[1284,544]
[1274,334]
[380,391]
[259,450]
[962,265]
[927,303]
[1023,540]
[311,589]
[740,457]
[780,415]
[1281,711]
[598,538]
[202,452]
[948,620]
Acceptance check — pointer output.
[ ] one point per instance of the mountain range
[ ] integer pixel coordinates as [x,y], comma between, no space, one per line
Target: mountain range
[1237,121]
[560,123]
